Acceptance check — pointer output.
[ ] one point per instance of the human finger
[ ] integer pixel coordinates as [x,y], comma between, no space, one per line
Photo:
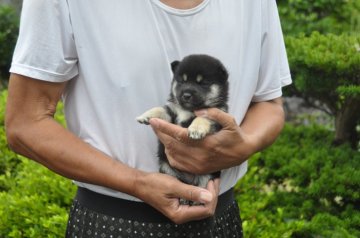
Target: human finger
[196,194]
[214,187]
[215,114]
[163,193]
[163,127]
[186,213]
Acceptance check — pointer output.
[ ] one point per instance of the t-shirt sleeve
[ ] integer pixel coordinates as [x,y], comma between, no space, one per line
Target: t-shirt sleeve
[45,49]
[274,67]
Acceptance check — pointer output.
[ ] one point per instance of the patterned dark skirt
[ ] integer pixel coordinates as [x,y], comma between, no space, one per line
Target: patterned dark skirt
[95,215]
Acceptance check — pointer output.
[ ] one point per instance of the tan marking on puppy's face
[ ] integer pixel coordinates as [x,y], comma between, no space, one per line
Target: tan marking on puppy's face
[199,78]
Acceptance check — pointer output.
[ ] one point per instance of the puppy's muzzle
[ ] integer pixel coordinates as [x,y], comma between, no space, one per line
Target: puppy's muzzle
[186,97]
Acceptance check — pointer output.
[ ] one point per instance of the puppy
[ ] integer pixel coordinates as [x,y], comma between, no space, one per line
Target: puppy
[199,82]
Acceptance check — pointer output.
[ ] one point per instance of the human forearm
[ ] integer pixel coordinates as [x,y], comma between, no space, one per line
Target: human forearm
[263,123]
[260,127]
[77,160]
[227,148]
[50,144]
[234,144]
[32,131]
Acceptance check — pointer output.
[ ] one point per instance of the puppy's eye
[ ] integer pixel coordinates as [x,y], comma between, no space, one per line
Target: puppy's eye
[185,77]
[179,79]
[199,78]
[202,80]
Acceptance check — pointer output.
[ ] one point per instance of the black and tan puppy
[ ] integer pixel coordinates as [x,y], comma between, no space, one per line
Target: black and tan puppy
[199,82]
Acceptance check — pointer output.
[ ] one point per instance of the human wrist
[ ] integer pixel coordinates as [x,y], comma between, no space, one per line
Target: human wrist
[140,178]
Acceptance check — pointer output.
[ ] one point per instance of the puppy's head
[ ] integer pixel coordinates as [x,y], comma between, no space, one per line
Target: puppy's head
[200,81]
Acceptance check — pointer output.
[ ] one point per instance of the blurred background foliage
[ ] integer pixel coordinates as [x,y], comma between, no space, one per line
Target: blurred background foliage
[9,28]
[324,16]
[323,46]
[305,185]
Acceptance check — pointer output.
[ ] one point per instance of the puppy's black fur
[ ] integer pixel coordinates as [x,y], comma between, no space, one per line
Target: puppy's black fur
[199,82]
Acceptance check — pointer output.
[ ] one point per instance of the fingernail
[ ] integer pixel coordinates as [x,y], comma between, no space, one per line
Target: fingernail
[206,197]
[201,113]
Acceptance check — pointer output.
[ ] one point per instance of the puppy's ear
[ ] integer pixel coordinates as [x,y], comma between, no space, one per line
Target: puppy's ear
[174,65]
[223,72]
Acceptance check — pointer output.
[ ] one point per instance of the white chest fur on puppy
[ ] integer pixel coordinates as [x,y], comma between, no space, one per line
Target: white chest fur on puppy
[199,82]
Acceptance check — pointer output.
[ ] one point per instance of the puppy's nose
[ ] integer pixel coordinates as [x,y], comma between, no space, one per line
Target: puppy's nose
[186,97]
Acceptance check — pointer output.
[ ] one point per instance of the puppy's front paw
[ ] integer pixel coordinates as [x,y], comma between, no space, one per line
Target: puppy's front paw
[199,128]
[197,132]
[156,112]
[143,119]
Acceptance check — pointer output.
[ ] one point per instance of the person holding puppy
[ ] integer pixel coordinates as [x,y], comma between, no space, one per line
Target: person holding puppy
[109,62]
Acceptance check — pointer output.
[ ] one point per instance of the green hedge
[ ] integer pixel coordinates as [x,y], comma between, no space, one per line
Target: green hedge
[325,16]
[9,27]
[34,202]
[299,187]
[302,187]
[325,70]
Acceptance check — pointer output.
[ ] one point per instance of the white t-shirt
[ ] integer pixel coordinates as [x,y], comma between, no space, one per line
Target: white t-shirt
[116,56]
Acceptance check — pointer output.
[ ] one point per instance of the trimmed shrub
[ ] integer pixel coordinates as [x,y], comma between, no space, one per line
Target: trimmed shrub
[326,70]
[34,202]
[325,16]
[302,187]
[9,27]
[9,160]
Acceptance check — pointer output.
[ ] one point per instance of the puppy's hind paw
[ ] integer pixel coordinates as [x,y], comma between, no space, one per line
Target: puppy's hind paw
[184,201]
[190,203]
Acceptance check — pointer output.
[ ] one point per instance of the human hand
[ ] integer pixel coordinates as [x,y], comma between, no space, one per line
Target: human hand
[163,193]
[227,148]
